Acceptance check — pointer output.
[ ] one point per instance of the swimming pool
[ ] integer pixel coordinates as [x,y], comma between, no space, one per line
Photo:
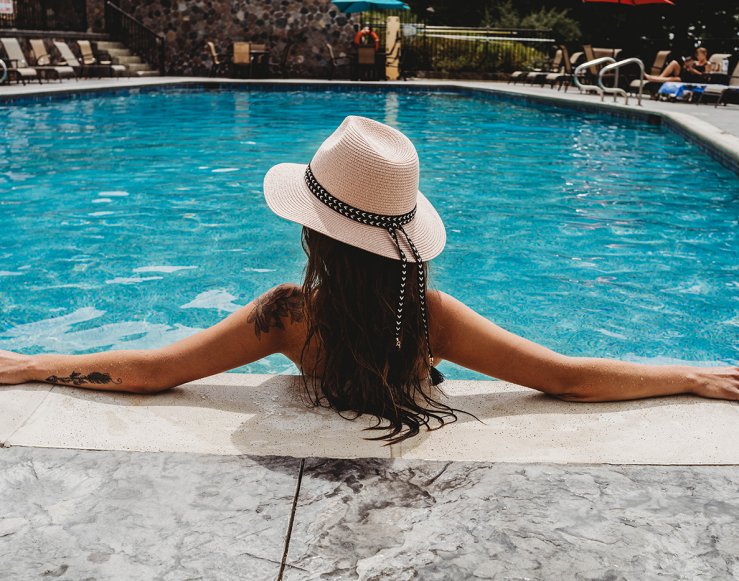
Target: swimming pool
[131,220]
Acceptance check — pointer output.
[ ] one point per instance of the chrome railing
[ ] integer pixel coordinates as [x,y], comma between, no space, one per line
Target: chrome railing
[616,90]
[587,65]
[4,71]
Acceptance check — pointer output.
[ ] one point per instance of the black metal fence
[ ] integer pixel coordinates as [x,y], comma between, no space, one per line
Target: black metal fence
[481,50]
[46,15]
[142,40]
[445,49]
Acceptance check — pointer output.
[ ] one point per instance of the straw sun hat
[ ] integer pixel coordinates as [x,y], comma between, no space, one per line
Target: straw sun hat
[363,187]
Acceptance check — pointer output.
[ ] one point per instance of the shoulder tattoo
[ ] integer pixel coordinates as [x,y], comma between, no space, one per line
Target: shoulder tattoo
[272,307]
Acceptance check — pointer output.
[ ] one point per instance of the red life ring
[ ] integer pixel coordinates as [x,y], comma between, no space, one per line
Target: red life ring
[362,37]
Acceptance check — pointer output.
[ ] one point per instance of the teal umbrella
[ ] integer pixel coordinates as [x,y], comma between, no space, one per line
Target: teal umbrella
[352,6]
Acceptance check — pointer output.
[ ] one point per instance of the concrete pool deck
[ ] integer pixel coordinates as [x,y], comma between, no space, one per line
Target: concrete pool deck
[232,477]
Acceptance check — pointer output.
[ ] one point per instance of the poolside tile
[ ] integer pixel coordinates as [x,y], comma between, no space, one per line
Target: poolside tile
[522,425]
[17,404]
[77,514]
[402,519]
[224,414]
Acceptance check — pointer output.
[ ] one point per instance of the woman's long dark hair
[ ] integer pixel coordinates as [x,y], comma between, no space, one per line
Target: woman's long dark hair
[350,300]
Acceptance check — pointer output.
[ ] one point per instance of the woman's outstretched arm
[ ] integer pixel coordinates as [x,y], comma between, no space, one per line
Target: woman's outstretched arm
[468,339]
[252,332]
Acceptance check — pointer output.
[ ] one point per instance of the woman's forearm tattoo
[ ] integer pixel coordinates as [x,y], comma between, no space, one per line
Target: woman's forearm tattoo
[77,378]
[282,301]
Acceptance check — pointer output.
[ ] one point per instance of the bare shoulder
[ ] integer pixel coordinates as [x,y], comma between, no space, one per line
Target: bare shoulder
[277,308]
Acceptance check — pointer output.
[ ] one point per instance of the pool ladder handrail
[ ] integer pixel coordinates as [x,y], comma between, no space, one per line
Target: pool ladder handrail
[616,90]
[4,71]
[583,66]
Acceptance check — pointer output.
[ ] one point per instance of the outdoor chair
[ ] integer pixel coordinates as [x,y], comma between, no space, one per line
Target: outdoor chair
[537,74]
[16,62]
[241,58]
[281,67]
[723,94]
[44,62]
[217,65]
[717,60]
[594,53]
[367,63]
[69,58]
[89,59]
[540,76]
[259,59]
[564,76]
[649,86]
[336,62]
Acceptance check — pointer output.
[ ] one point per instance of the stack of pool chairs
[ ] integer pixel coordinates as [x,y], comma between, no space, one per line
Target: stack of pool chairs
[558,72]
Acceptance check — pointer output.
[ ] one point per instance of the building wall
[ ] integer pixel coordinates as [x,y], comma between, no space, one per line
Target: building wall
[188,24]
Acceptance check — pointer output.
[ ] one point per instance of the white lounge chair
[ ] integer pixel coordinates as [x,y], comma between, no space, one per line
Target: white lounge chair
[18,64]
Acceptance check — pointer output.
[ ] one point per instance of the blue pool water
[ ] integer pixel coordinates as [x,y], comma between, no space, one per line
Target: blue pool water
[133,220]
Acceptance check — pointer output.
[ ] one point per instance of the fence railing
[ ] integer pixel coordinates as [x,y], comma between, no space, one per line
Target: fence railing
[448,49]
[45,15]
[135,35]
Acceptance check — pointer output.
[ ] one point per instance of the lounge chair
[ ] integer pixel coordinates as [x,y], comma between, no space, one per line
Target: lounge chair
[564,76]
[336,62]
[595,53]
[650,86]
[555,66]
[537,75]
[89,59]
[20,70]
[717,60]
[70,59]
[43,62]
[217,66]
[723,93]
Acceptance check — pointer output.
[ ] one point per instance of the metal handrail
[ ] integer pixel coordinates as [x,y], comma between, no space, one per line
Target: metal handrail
[580,68]
[616,90]
[135,35]
[5,71]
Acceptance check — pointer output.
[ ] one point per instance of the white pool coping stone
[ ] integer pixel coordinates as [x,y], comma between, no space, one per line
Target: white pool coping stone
[231,414]
[714,129]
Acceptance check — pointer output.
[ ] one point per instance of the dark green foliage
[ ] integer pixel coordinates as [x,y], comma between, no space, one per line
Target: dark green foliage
[680,27]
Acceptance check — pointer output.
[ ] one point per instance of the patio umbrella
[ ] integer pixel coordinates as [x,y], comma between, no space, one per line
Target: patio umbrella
[633,2]
[352,6]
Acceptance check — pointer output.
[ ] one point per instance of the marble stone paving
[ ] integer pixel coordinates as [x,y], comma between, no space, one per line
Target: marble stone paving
[81,514]
[401,519]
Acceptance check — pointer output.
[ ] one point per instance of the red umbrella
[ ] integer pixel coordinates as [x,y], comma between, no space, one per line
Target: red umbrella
[634,2]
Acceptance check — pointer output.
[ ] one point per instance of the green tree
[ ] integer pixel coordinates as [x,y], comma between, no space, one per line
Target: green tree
[503,14]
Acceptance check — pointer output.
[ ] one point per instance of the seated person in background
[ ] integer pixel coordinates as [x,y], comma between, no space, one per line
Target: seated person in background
[688,70]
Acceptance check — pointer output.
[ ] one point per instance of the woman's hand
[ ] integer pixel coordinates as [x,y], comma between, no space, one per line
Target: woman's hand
[14,368]
[717,383]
